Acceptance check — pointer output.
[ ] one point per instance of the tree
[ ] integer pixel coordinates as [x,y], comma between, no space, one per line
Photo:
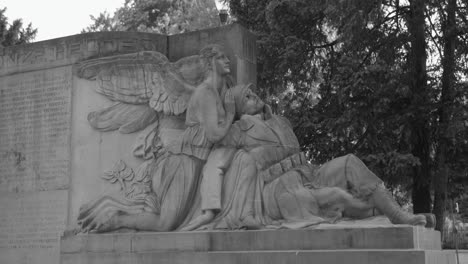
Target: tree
[419,121]
[451,144]
[445,112]
[14,33]
[343,65]
[159,16]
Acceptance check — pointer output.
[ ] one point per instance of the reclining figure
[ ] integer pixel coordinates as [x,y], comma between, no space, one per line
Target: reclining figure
[266,179]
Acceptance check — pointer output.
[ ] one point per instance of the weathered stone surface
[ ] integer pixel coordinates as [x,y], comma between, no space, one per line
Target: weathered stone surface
[462,255]
[251,171]
[68,50]
[268,257]
[47,148]
[376,245]
[35,112]
[329,238]
[37,91]
[31,225]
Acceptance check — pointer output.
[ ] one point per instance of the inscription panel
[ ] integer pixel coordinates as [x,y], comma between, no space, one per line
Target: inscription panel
[35,112]
[31,225]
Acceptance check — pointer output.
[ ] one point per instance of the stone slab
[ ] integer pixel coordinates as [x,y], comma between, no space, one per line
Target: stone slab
[462,255]
[267,257]
[35,113]
[392,237]
[30,226]
[49,154]
[68,50]
[94,152]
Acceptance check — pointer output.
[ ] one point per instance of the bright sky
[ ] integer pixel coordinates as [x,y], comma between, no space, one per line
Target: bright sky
[58,18]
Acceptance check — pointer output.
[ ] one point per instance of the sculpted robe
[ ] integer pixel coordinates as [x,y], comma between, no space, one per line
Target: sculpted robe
[264,181]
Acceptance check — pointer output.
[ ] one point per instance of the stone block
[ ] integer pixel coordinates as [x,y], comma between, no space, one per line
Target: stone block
[50,158]
[30,226]
[269,257]
[324,244]
[171,241]
[392,237]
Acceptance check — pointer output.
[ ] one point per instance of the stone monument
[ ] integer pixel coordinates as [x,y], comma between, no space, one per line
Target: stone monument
[151,148]
[51,159]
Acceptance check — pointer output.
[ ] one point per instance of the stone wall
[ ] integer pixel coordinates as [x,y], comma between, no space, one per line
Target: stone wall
[37,100]
[50,158]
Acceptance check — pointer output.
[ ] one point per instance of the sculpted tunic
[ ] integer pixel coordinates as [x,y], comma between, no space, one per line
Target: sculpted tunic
[181,169]
[268,168]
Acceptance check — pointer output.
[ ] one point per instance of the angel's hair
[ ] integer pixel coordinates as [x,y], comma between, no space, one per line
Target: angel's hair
[208,52]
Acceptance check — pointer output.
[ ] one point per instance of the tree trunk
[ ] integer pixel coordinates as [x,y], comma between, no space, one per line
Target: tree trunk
[445,113]
[419,123]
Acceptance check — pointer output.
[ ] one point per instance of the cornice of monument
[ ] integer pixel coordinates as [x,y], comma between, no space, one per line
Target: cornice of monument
[71,49]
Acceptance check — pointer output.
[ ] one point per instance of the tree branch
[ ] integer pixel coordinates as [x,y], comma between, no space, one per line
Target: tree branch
[430,34]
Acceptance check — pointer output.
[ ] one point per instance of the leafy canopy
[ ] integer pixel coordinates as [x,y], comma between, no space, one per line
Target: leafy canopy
[14,33]
[159,16]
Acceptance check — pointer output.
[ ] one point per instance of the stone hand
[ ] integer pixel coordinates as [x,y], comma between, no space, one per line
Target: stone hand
[229,103]
[267,111]
[101,223]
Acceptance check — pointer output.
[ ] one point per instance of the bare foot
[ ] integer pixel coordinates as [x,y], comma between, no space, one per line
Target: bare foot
[203,219]
[430,220]
[418,219]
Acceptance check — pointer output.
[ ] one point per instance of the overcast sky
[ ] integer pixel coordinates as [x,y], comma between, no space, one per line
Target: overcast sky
[57,18]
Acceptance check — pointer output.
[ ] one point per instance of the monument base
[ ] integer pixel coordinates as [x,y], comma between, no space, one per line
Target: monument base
[324,245]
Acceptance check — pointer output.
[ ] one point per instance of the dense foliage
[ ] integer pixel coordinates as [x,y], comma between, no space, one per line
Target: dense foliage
[159,16]
[14,33]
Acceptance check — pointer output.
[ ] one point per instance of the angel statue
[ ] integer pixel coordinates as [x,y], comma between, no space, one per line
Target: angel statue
[150,91]
[266,183]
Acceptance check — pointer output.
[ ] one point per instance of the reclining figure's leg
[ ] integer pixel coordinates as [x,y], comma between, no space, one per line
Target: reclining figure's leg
[334,200]
[350,173]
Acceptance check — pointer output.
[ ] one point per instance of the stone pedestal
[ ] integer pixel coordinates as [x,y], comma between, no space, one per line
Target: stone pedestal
[324,245]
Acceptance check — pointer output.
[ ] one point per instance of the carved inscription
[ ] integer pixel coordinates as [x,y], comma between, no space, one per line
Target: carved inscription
[32,221]
[69,50]
[35,130]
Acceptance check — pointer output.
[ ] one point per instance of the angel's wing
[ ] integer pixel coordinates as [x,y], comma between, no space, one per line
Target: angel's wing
[140,81]
[125,78]
[124,117]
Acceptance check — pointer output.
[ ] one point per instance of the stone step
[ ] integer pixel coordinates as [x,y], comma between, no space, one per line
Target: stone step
[323,238]
[401,256]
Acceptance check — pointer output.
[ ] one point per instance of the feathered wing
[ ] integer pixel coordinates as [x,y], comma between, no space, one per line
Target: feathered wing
[150,94]
[142,84]
[124,117]
[179,79]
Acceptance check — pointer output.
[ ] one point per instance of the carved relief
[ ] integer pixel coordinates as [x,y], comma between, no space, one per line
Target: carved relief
[250,170]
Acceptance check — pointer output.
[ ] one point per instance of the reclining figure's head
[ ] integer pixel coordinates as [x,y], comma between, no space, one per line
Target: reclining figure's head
[247,102]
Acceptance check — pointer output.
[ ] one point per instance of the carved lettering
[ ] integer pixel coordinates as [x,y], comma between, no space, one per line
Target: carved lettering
[34,136]
[67,51]
[32,220]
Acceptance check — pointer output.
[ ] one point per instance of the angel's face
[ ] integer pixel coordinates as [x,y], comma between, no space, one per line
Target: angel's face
[221,63]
